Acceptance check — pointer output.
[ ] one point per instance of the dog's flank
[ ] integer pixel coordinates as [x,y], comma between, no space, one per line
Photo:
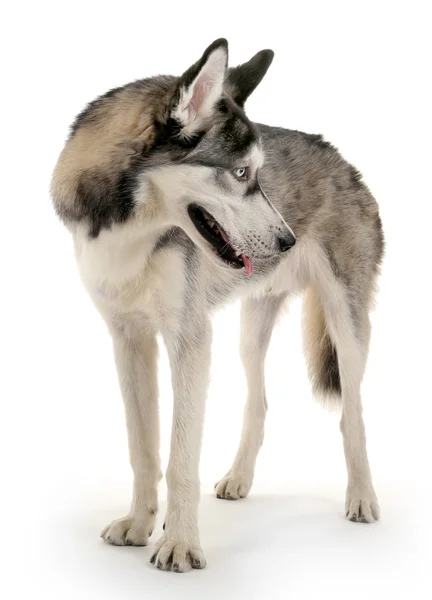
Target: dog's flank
[177,204]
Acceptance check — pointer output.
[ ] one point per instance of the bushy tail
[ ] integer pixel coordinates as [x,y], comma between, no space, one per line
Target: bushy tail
[320,352]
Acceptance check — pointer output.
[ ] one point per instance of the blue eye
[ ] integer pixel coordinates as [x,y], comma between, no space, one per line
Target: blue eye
[241,172]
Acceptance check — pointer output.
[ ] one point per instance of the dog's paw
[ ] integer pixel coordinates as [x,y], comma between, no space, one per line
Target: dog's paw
[233,486]
[173,555]
[361,505]
[129,531]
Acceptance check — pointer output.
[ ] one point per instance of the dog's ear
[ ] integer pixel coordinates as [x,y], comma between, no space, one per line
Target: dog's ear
[242,80]
[199,88]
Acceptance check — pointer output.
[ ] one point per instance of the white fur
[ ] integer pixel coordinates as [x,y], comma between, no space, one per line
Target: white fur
[306,266]
[140,293]
[258,317]
[184,184]
[196,102]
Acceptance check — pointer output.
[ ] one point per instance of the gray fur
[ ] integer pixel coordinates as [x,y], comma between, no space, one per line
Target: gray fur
[136,162]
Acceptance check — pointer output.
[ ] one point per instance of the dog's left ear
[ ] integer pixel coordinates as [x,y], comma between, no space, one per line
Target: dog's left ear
[242,80]
[200,87]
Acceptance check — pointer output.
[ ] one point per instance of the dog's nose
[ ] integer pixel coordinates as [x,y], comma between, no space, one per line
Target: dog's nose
[286,242]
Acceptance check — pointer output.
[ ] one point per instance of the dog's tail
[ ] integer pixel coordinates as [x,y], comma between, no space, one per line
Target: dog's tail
[320,352]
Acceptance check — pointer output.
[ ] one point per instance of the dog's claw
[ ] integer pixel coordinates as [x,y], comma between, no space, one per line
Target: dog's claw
[177,556]
[196,564]
[362,507]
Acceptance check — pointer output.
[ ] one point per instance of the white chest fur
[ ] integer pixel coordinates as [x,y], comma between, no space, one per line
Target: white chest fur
[125,277]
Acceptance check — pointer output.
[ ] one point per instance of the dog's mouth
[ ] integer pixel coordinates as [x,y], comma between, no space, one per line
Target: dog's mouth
[213,233]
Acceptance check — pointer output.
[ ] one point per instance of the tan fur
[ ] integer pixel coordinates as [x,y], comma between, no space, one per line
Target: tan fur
[119,129]
[149,270]
[317,346]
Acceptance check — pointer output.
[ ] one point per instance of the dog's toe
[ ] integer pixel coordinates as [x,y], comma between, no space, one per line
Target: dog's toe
[233,487]
[129,531]
[362,506]
[177,556]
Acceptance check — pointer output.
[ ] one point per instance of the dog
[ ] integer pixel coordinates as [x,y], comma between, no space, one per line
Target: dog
[177,204]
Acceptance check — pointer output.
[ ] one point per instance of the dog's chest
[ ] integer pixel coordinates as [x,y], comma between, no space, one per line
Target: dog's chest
[125,277]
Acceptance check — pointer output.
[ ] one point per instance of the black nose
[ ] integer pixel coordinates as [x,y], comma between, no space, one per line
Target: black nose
[286,242]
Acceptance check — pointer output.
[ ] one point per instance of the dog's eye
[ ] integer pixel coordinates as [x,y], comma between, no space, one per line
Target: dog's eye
[241,172]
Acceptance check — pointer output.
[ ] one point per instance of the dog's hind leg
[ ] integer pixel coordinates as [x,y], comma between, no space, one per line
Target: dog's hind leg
[136,359]
[347,322]
[258,317]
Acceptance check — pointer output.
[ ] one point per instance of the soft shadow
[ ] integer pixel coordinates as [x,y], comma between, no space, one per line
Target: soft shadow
[246,543]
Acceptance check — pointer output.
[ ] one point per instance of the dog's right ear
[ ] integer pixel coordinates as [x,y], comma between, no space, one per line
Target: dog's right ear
[199,88]
[242,80]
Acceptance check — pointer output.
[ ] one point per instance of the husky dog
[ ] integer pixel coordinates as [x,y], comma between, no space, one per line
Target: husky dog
[178,203]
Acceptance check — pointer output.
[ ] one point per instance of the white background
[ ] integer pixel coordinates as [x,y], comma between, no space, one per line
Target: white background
[358,72]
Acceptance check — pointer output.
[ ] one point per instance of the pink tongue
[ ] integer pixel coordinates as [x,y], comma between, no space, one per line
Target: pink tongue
[247,263]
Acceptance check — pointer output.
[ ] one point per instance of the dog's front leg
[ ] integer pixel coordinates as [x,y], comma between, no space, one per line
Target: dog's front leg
[136,357]
[189,351]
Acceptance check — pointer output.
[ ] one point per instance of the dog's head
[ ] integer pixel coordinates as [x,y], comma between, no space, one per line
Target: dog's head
[188,139]
[211,181]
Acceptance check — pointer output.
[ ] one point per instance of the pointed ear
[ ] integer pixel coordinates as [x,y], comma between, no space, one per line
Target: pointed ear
[200,88]
[242,80]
